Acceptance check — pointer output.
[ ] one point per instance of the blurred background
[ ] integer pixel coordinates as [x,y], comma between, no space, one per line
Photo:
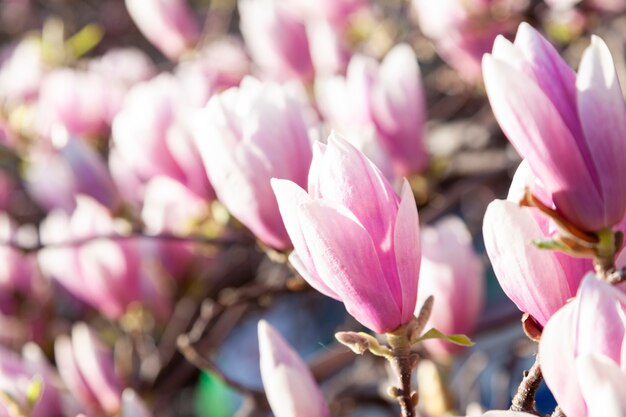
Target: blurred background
[107,215]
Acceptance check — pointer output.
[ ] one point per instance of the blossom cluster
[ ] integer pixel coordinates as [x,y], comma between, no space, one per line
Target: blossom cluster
[158,201]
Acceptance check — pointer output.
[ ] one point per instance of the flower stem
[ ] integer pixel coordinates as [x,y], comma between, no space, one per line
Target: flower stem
[403,365]
[524,399]
[403,361]
[604,261]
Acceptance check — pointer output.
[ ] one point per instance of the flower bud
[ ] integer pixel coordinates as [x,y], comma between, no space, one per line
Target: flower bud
[106,273]
[355,240]
[276,38]
[289,385]
[246,136]
[570,128]
[86,368]
[168,24]
[151,137]
[388,97]
[452,272]
[594,323]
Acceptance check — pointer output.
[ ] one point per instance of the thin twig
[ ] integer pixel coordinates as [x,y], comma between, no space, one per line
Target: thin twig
[222,242]
[524,399]
[403,362]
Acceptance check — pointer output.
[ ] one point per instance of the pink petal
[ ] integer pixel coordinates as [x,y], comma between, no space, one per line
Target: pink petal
[602,385]
[96,366]
[348,178]
[398,109]
[407,249]
[289,385]
[290,197]
[528,117]
[531,277]
[601,319]
[603,115]
[550,72]
[345,258]
[556,352]
[71,374]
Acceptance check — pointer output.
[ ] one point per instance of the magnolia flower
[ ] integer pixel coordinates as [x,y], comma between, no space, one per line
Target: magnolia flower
[463,31]
[87,370]
[168,24]
[570,128]
[82,102]
[107,273]
[276,38]
[453,273]
[246,136]
[594,323]
[355,240]
[55,177]
[18,377]
[220,65]
[602,385]
[388,97]
[152,137]
[337,12]
[22,71]
[538,281]
[289,385]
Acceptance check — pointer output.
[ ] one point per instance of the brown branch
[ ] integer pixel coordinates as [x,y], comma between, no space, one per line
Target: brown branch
[524,399]
[403,362]
[222,242]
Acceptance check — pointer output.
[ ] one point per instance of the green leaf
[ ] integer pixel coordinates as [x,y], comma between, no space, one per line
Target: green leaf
[457,339]
[85,40]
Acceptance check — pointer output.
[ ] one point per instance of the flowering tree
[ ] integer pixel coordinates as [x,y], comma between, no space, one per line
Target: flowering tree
[264,207]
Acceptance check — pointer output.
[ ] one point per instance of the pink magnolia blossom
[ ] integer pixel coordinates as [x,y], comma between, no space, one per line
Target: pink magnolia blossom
[602,385]
[538,281]
[289,385]
[109,274]
[151,137]
[55,177]
[81,102]
[462,31]
[22,70]
[87,370]
[570,128]
[169,207]
[168,24]
[453,273]
[220,65]
[246,136]
[594,323]
[328,48]
[127,66]
[388,97]
[355,240]
[336,12]
[276,38]
[19,373]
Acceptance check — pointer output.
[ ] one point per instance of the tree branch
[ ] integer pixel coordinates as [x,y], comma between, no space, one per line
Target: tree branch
[524,399]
